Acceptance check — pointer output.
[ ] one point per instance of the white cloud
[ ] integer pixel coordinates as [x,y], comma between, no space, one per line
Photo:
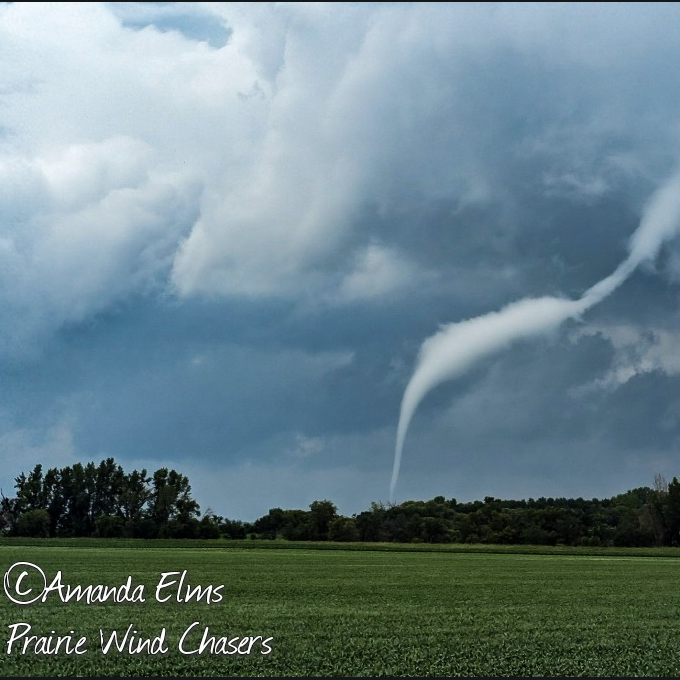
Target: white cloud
[378,271]
[101,222]
[637,351]
[305,447]
[132,150]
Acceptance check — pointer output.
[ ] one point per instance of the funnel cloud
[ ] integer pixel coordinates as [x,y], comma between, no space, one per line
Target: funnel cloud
[458,346]
[221,233]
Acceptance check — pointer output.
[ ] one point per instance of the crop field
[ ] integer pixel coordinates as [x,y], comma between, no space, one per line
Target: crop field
[339,612]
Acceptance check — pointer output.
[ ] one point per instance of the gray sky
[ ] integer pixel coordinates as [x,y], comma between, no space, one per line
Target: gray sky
[227,228]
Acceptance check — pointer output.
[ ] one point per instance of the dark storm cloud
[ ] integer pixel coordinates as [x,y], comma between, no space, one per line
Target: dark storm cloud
[225,234]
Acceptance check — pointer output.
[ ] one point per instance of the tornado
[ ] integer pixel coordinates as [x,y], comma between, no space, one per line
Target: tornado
[456,347]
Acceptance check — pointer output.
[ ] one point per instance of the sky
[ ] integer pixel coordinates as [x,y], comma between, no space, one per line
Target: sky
[227,230]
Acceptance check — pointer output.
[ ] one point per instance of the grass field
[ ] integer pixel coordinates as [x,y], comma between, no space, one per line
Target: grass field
[345,612]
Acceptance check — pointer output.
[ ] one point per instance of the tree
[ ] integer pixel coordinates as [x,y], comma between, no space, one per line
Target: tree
[30,490]
[133,499]
[652,514]
[54,495]
[234,529]
[109,485]
[298,526]
[271,524]
[660,484]
[77,485]
[671,511]
[435,530]
[371,523]
[34,523]
[9,513]
[343,529]
[210,525]
[171,506]
[322,514]
[109,526]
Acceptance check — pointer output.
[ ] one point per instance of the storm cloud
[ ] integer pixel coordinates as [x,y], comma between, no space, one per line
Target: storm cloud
[225,230]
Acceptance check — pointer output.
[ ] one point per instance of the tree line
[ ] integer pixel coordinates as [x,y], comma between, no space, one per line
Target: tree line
[104,501]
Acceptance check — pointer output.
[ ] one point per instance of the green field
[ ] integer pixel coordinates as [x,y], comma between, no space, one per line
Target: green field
[345,612]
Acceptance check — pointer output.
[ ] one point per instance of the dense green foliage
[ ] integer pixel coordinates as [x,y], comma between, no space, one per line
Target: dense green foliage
[104,501]
[641,517]
[364,613]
